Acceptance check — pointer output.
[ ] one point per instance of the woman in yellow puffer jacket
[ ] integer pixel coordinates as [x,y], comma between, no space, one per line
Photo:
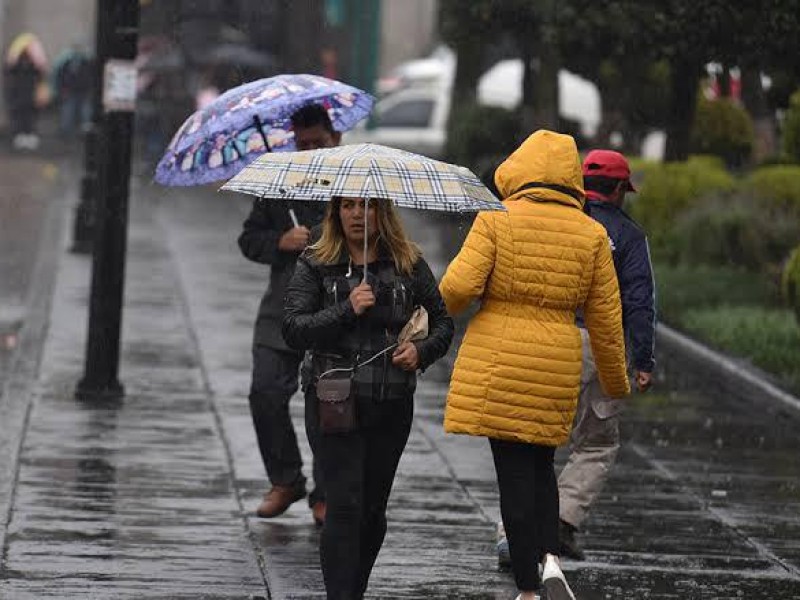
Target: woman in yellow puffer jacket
[517,376]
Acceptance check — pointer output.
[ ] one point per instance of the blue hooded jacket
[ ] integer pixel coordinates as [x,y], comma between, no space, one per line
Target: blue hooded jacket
[635,274]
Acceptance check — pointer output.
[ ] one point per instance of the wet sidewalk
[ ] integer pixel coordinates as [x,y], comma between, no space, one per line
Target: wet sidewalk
[154,497]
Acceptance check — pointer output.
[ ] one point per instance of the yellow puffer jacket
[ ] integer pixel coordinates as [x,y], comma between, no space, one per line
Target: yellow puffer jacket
[517,375]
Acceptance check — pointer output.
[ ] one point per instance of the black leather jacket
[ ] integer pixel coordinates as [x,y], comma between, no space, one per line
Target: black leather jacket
[319,317]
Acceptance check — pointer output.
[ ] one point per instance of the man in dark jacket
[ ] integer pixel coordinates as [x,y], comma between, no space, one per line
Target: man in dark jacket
[594,441]
[275,233]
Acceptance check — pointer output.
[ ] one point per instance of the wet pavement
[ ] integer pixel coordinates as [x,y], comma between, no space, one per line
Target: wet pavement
[153,497]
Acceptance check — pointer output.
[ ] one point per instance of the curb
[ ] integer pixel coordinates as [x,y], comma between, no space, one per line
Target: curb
[695,364]
[17,393]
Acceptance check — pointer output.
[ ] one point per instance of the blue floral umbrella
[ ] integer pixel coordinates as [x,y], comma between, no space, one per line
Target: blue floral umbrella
[219,140]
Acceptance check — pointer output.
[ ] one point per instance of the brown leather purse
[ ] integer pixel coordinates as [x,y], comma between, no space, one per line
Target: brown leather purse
[337,407]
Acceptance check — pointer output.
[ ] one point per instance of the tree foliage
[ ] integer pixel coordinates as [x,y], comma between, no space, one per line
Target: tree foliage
[646,56]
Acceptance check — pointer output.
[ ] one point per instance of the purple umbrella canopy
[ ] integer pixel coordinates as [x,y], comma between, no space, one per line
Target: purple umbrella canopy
[217,141]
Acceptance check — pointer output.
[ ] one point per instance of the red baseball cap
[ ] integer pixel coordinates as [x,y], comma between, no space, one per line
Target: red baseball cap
[608,163]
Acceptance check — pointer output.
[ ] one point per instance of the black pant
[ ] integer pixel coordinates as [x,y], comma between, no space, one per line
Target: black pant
[528,504]
[359,469]
[274,382]
[22,119]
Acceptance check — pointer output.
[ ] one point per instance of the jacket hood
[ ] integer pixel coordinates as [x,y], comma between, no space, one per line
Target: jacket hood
[547,167]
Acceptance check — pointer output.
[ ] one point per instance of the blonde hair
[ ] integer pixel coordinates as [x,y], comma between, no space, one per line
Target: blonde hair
[331,243]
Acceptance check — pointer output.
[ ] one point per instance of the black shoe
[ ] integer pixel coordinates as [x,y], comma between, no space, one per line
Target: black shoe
[569,545]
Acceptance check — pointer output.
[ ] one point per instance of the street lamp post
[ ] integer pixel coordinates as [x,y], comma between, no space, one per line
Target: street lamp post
[117,33]
[83,223]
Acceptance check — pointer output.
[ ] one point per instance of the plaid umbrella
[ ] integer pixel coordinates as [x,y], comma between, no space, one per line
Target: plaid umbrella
[365,171]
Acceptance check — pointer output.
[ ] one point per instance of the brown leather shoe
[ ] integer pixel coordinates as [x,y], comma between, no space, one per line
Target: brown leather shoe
[318,512]
[279,498]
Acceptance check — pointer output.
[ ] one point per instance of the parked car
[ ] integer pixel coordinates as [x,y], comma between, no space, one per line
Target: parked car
[412,119]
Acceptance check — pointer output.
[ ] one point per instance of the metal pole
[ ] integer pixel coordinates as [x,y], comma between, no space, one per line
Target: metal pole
[117,38]
[83,223]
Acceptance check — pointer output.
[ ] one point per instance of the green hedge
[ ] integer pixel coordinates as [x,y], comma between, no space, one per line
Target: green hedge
[777,186]
[791,129]
[670,188]
[722,128]
[791,282]
[736,229]
[685,287]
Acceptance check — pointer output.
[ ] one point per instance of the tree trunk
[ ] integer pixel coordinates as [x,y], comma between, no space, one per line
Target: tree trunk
[724,82]
[764,124]
[469,55]
[611,117]
[545,92]
[684,80]
[529,82]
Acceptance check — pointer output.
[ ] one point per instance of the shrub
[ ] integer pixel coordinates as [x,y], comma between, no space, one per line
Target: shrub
[777,186]
[791,128]
[476,132]
[667,190]
[791,282]
[768,337]
[722,128]
[736,229]
[639,166]
[681,288]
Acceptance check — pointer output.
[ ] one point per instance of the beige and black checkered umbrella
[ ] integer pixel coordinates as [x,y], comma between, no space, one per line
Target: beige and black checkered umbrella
[365,171]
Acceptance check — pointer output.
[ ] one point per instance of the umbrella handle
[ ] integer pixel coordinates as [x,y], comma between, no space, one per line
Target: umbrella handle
[366,237]
[260,128]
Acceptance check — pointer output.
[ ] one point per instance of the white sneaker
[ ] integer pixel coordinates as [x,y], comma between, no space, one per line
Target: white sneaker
[554,581]
[536,597]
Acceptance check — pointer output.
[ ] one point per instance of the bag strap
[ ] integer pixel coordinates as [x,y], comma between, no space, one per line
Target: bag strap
[357,366]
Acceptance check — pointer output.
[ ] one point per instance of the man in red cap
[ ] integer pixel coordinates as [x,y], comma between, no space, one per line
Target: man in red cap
[594,441]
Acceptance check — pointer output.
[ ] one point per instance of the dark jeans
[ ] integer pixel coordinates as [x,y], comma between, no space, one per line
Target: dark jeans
[274,382]
[528,504]
[359,469]
[75,112]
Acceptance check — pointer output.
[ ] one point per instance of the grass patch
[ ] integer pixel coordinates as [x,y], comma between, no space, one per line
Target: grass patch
[769,337]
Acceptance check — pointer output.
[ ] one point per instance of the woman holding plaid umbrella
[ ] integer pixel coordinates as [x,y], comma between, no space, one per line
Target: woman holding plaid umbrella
[346,321]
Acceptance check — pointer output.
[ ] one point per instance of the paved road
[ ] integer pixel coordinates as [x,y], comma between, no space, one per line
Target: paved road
[153,498]
[703,504]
